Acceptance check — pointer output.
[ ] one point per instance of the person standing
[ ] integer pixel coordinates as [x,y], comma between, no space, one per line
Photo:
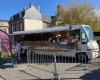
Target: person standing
[18,50]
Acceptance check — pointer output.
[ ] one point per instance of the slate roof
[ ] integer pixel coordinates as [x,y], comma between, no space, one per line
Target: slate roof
[31,13]
[46,18]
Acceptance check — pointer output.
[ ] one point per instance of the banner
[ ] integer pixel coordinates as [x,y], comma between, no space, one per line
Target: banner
[4,42]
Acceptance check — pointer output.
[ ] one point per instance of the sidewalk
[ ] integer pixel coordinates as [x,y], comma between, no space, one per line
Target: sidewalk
[72,71]
[20,72]
[24,72]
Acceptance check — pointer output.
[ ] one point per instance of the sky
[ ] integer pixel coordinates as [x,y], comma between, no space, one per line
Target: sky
[48,7]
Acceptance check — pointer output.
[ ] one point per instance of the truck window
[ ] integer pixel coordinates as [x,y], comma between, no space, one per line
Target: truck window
[84,37]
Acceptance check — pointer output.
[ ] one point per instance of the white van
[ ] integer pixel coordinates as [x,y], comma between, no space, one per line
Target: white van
[88,46]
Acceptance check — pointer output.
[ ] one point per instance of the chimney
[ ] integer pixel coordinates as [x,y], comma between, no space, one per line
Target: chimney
[23,8]
[30,5]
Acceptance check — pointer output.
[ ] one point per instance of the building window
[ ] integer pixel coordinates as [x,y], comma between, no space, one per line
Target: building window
[18,26]
[13,28]
[16,17]
[21,26]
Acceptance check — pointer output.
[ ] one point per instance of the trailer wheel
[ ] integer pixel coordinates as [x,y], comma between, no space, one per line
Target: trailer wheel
[82,57]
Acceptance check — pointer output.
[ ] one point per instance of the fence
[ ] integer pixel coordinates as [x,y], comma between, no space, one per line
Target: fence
[56,64]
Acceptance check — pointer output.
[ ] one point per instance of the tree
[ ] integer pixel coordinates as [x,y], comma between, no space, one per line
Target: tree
[76,14]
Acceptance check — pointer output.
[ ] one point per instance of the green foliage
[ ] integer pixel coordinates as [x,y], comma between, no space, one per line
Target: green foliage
[77,14]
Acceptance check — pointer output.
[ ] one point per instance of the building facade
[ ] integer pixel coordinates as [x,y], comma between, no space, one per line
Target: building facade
[4,25]
[28,19]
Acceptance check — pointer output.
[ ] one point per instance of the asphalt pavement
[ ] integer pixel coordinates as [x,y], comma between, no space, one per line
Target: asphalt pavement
[66,71]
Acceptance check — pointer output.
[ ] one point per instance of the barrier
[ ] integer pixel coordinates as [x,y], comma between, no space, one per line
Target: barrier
[58,63]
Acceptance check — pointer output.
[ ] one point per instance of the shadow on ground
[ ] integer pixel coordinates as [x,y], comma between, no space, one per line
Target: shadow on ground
[5,63]
[92,75]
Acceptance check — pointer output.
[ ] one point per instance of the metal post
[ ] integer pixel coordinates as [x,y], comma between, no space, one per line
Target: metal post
[28,61]
[28,56]
[55,74]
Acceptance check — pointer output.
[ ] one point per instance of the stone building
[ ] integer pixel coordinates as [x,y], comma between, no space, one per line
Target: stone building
[4,25]
[28,19]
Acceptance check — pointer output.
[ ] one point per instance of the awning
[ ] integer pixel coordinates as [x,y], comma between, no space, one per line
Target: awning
[54,29]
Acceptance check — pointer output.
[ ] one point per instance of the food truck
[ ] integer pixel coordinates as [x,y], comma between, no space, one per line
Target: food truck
[76,38]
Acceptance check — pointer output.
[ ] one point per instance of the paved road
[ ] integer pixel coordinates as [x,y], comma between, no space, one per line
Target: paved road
[38,72]
[69,71]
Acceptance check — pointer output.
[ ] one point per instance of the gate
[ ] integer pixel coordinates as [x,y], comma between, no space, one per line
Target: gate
[55,65]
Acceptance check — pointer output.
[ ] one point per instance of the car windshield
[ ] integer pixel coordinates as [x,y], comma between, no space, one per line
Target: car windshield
[89,33]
